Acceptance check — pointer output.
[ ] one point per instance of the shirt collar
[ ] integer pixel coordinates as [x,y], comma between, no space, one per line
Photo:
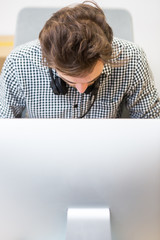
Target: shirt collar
[117,48]
[106,70]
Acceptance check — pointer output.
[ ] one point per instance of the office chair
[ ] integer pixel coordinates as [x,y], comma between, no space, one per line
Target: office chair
[30,21]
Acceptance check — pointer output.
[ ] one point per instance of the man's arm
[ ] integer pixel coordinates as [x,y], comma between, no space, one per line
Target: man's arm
[12,101]
[142,98]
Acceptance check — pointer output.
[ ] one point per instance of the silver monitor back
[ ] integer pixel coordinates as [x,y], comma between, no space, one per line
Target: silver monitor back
[50,165]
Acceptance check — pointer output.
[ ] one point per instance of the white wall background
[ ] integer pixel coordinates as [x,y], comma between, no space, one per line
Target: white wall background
[145,13]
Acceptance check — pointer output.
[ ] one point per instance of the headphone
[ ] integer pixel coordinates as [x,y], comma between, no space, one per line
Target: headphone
[59,87]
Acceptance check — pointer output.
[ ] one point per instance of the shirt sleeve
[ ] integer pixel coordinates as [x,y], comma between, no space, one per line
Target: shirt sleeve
[143,99]
[12,100]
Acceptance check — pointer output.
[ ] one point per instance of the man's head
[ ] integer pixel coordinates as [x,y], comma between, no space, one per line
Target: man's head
[76,41]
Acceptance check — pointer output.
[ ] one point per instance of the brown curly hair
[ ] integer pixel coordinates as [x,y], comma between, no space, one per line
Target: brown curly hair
[75,38]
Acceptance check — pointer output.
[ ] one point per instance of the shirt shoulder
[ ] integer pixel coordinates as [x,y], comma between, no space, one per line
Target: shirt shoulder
[126,48]
[28,52]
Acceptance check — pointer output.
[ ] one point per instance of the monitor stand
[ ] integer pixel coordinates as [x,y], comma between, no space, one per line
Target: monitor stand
[88,223]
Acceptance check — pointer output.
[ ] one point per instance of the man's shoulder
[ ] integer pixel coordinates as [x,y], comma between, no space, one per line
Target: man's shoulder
[124,49]
[125,46]
[30,51]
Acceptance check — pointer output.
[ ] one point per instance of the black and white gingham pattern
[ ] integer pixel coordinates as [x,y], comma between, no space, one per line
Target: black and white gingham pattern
[25,82]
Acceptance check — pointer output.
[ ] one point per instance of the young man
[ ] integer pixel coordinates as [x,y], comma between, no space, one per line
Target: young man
[77,69]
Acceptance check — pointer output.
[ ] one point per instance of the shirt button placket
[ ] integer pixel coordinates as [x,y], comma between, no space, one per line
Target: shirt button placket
[75,110]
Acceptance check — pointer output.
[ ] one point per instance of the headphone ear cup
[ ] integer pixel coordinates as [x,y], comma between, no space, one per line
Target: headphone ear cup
[62,86]
[57,84]
[89,89]
[54,87]
[93,88]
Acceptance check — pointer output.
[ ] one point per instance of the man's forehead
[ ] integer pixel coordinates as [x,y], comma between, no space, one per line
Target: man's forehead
[87,78]
[76,80]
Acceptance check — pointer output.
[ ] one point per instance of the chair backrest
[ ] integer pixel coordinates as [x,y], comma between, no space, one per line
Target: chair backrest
[30,21]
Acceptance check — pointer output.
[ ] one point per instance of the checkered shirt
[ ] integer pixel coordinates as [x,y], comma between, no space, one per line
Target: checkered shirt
[25,83]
